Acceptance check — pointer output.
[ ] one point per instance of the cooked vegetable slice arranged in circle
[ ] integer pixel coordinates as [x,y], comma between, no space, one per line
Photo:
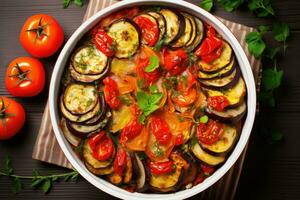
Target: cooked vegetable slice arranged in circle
[80,98]
[86,78]
[206,157]
[187,34]
[126,35]
[88,60]
[175,25]
[190,46]
[161,23]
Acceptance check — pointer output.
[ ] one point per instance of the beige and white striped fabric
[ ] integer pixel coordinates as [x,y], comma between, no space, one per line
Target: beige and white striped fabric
[47,149]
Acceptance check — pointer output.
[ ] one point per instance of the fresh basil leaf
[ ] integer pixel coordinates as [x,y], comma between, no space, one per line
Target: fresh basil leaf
[37,182]
[256,45]
[262,29]
[153,89]
[66,3]
[78,3]
[206,5]
[153,65]
[281,31]
[262,8]
[159,45]
[230,5]
[204,119]
[271,79]
[16,185]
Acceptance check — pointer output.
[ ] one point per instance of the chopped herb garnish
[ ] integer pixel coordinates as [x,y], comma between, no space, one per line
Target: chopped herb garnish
[153,89]
[153,65]
[157,150]
[203,119]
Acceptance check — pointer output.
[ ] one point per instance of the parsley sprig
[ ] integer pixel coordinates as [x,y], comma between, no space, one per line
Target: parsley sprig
[44,182]
[78,3]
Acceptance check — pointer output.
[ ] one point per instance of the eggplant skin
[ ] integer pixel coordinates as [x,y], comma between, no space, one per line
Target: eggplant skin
[175,25]
[127,39]
[161,23]
[99,171]
[199,36]
[223,83]
[230,115]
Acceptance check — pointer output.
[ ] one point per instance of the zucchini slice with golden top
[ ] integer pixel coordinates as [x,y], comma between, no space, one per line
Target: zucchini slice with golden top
[126,36]
[190,46]
[206,157]
[186,35]
[79,99]
[175,25]
[88,60]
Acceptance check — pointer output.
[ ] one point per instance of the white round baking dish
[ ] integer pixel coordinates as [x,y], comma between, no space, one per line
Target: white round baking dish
[62,61]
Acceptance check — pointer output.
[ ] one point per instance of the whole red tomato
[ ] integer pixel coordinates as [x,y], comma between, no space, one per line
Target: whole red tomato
[25,77]
[12,117]
[41,35]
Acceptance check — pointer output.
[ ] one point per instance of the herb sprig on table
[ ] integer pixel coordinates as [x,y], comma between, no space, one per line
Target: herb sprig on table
[44,182]
[78,3]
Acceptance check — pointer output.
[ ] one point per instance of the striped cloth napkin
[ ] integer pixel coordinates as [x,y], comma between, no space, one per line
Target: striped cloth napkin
[48,150]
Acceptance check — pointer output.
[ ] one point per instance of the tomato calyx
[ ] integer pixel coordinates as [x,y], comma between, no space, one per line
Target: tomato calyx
[161,168]
[3,114]
[21,75]
[39,30]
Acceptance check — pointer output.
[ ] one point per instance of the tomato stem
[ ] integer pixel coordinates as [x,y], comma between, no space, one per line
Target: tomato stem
[39,30]
[21,75]
[3,114]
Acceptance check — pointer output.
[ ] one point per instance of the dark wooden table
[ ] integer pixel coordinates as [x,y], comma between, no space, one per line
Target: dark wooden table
[270,171]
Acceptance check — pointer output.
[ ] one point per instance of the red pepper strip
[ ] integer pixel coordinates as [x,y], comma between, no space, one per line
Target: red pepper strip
[120,161]
[130,131]
[111,93]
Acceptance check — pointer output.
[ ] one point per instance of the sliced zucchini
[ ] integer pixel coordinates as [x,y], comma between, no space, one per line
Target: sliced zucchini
[223,83]
[222,73]
[234,95]
[78,118]
[126,35]
[87,78]
[194,29]
[79,99]
[219,63]
[186,35]
[72,139]
[89,158]
[84,131]
[99,171]
[101,114]
[175,25]
[232,115]
[206,157]
[226,141]
[161,23]
[122,67]
[88,60]
[199,36]
[153,20]
[120,118]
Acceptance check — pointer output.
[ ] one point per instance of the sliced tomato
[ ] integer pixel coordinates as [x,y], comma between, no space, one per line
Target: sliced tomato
[175,62]
[161,168]
[161,130]
[199,178]
[212,56]
[111,93]
[120,161]
[150,30]
[210,132]
[104,42]
[139,142]
[207,169]
[179,139]
[208,46]
[218,102]
[130,131]
[102,146]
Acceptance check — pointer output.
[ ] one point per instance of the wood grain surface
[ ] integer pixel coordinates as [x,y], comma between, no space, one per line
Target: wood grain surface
[270,171]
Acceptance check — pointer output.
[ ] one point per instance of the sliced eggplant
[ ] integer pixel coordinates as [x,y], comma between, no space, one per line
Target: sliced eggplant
[141,174]
[199,36]
[225,143]
[100,171]
[194,29]
[79,99]
[231,115]
[152,19]
[126,35]
[234,95]
[219,63]
[222,73]
[186,35]
[161,23]
[84,131]
[206,157]
[101,114]
[89,158]
[223,83]
[78,118]
[189,174]
[87,78]
[167,182]
[75,141]
[88,60]
[175,25]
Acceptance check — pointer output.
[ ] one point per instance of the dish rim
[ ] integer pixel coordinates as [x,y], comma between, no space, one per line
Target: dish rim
[63,59]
